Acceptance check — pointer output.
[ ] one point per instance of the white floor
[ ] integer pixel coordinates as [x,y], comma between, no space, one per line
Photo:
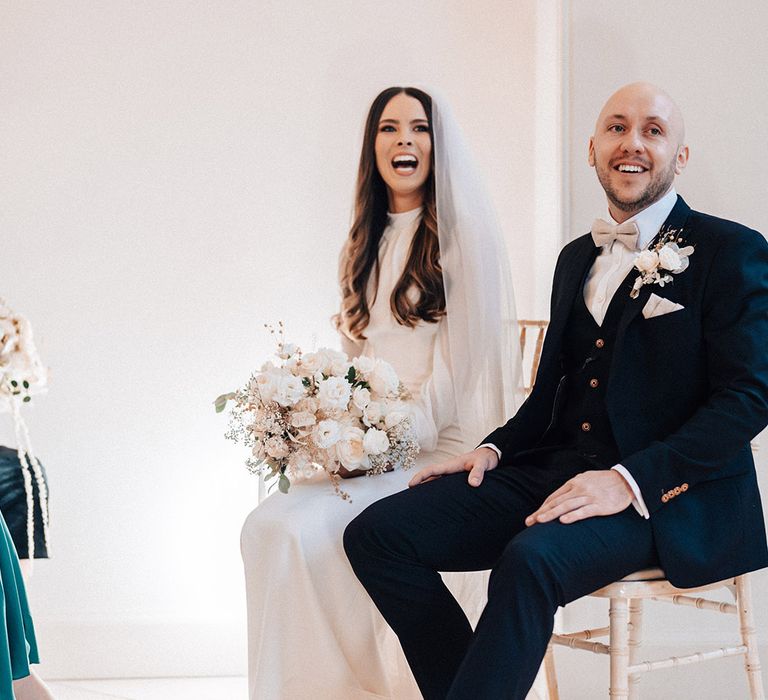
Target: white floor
[152,689]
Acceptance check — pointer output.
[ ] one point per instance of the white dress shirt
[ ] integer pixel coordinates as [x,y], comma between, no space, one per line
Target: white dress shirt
[611,266]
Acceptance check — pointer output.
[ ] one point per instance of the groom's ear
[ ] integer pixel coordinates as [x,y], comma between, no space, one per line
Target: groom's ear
[591,151]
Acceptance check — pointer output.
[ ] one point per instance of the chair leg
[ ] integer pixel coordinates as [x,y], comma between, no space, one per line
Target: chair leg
[551,674]
[749,638]
[619,648]
[635,640]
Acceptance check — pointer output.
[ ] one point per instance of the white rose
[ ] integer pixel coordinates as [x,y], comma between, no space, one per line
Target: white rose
[350,450]
[327,433]
[289,390]
[394,418]
[8,336]
[647,261]
[276,448]
[383,379]
[310,364]
[669,259]
[302,419]
[364,365]
[333,362]
[373,413]
[334,394]
[361,397]
[262,387]
[375,441]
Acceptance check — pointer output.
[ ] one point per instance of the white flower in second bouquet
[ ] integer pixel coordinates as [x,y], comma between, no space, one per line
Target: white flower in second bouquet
[289,390]
[375,441]
[361,397]
[669,258]
[334,394]
[647,261]
[364,365]
[327,433]
[383,379]
[350,450]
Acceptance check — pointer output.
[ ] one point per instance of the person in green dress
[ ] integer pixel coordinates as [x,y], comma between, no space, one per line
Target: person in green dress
[18,646]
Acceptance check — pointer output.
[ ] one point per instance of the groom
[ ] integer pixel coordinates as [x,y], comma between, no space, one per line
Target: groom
[632,451]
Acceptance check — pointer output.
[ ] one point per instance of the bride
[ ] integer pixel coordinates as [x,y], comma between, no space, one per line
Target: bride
[425,286]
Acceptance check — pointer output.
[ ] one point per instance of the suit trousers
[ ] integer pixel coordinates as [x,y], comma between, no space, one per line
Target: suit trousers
[398,545]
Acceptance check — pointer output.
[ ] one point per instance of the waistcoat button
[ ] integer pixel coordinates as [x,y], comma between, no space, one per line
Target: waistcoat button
[599,343]
[586,427]
[594,383]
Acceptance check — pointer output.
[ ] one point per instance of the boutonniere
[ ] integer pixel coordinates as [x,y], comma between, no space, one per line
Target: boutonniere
[657,265]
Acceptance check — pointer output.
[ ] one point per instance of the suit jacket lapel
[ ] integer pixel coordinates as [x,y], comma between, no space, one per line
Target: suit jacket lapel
[572,284]
[677,219]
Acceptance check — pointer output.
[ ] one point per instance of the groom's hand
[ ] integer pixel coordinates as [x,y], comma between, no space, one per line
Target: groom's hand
[477,462]
[588,494]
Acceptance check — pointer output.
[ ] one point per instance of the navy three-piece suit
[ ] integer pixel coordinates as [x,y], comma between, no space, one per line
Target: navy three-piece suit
[674,398]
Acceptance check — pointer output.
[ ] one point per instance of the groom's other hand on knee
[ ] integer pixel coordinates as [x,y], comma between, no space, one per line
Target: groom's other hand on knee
[588,494]
[477,462]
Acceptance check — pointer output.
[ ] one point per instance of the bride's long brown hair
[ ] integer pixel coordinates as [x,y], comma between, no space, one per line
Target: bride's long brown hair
[422,272]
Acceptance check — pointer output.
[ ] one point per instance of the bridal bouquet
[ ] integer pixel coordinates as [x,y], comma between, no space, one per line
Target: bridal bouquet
[320,410]
[22,374]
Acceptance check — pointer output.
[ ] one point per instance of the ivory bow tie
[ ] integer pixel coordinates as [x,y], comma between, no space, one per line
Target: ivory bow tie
[604,233]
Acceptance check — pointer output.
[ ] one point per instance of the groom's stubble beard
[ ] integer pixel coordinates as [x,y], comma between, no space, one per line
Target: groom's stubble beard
[657,187]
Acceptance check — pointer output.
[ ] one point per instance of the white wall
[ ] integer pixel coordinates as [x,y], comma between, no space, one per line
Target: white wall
[711,57]
[174,175]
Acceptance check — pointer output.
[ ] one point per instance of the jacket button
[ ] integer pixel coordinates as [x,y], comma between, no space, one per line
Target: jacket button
[677,490]
[599,343]
[665,498]
[586,427]
[684,488]
[594,383]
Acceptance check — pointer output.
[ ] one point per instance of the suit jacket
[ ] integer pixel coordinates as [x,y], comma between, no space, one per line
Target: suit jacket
[686,393]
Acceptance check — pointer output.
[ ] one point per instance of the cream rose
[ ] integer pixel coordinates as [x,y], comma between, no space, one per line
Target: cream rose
[334,393]
[375,441]
[373,413]
[647,261]
[350,450]
[364,365]
[383,379]
[361,397]
[669,258]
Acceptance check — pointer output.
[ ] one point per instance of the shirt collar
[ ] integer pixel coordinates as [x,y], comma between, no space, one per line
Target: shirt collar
[650,219]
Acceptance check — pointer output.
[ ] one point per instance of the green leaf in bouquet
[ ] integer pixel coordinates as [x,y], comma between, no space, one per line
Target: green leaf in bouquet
[283,483]
[25,383]
[352,375]
[221,401]
[27,399]
[306,382]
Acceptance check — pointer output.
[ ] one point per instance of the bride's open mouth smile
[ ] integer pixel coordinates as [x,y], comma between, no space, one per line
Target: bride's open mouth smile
[405,164]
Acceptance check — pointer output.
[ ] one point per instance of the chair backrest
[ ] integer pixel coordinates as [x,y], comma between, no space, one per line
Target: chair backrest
[532,359]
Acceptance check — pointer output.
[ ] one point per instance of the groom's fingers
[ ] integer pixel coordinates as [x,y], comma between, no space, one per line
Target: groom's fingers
[435,470]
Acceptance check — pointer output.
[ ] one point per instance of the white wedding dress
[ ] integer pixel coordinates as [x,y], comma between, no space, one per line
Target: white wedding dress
[313,632]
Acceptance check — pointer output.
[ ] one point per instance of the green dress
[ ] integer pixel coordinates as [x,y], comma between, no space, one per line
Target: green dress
[18,647]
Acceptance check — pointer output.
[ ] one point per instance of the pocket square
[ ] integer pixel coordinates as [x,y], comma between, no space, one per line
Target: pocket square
[658,306]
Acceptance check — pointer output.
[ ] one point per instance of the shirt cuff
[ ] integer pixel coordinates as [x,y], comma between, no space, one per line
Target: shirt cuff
[493,447]
[637,501]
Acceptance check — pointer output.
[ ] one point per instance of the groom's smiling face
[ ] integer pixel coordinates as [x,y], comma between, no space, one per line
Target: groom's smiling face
[637,148]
